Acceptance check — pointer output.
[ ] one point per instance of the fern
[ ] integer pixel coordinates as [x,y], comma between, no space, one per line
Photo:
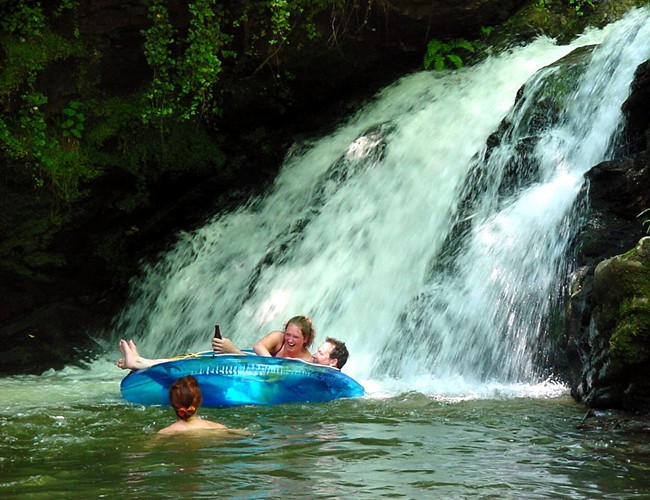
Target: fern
[439,53]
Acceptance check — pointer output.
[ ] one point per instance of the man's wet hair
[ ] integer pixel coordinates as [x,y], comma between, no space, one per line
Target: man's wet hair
[340,352]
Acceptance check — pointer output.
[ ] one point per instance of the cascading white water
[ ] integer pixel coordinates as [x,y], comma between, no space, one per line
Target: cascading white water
[483,317]
[356,221]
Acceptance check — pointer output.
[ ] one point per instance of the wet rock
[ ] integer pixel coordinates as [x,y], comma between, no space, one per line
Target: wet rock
[608,310]
[617,350]
[636,111]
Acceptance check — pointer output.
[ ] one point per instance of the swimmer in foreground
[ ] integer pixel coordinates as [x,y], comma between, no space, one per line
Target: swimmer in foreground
[186,398]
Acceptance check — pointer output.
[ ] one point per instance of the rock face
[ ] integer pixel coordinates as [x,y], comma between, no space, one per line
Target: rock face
[636,110]
[615,375]
[609,315]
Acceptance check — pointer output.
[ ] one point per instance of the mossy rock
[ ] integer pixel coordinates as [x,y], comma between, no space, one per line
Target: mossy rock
[560,19]
[630,339]
[622,292]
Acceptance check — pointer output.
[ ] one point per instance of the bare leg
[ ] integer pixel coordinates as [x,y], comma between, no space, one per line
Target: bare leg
[132,359]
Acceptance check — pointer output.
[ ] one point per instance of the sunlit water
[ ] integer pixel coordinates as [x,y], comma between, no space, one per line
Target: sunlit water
[406,446]
[442,331]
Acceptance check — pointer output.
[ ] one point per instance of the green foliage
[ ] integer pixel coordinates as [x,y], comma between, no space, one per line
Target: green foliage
[201,63]
[187,67]
[630,338]
[28,45]
[21,18]
[59,146]
[183,86]
[280,20]
[439,53]
[25,55]
[276,22]
[579,7]
[66,5]
[63,150]
[191,146]
[159,41]
[486,31]
[112,118]
[35,146]
[646,213]
[32,124]
[40,148]
[73,124]
[288,17]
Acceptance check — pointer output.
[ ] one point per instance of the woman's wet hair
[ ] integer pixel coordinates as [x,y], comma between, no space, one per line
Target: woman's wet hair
[185,397]
[306,327]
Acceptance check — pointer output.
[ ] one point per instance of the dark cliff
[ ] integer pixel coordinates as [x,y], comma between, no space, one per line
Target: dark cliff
[610,313]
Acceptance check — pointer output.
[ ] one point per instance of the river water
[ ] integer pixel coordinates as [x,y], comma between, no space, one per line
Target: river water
[436,259]
[77,439]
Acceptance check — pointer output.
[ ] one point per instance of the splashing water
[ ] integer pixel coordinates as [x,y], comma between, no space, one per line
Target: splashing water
[435,258]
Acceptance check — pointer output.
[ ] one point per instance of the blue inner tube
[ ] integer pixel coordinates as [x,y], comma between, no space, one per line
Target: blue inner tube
[233,380]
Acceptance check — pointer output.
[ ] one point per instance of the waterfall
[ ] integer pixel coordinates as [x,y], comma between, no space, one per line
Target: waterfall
[427,237]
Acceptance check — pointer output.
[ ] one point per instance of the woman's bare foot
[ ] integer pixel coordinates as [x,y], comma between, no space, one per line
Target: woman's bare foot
[132,359]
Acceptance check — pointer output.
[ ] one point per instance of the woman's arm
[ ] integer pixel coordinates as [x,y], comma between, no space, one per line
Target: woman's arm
[269,344]
[225,346]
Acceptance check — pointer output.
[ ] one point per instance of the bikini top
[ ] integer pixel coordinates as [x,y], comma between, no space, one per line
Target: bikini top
[274,354]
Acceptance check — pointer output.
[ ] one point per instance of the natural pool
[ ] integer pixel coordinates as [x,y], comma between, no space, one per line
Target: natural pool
[69,435]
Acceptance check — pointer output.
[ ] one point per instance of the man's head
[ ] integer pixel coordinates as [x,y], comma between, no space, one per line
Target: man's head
[332,353]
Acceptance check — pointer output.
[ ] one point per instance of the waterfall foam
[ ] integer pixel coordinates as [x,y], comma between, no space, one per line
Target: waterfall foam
[351,232]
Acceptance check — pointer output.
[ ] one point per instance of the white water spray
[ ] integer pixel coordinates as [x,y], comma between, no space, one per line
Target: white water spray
[354,224]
